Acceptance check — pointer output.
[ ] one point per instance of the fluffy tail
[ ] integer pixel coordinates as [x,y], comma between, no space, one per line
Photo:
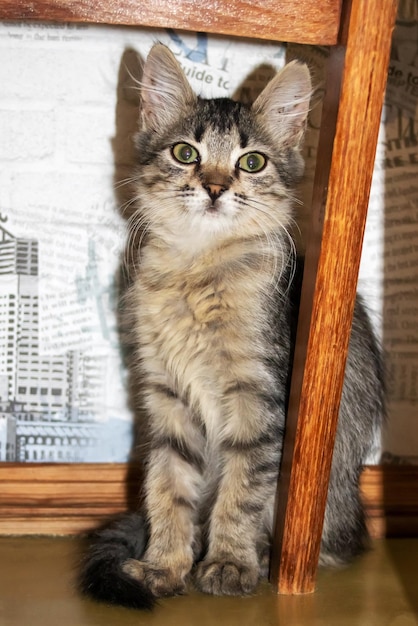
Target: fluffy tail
[102,576]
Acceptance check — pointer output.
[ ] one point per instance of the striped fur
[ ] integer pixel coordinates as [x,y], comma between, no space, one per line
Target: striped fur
[213,328]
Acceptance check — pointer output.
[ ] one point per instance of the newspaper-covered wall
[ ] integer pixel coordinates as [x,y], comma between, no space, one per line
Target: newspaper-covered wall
[390,259]
[68,112]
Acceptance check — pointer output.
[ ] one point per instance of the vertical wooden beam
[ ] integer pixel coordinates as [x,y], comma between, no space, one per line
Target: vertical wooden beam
[328,292]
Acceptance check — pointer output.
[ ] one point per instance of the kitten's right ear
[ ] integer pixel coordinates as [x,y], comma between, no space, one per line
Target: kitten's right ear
[165,92]
[283,105]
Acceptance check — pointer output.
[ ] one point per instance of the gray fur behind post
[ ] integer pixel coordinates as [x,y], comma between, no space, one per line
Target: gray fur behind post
[213,316]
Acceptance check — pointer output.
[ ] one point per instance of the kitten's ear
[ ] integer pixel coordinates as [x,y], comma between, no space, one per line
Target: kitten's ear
[165,92]
[284,104]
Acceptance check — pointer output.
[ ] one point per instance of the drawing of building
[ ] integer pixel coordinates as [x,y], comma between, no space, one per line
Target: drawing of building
[50,442]
[53,408]
[48,404]
[39,383]
[7,437]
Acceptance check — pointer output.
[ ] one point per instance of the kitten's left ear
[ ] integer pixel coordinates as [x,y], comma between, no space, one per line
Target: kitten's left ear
[284,104]
[165,92]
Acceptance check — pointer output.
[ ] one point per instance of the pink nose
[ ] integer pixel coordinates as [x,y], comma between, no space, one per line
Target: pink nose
[214,190]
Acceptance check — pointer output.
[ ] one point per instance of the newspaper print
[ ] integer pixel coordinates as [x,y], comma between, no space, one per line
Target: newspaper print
[69,112]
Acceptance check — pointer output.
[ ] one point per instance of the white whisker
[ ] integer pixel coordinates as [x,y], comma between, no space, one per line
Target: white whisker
[125,181]
[280,245]
[137,226]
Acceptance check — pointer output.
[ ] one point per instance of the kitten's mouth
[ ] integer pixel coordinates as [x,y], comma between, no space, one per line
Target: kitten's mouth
[212,208]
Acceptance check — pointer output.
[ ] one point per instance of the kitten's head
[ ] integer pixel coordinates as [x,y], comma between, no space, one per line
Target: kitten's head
[212,170]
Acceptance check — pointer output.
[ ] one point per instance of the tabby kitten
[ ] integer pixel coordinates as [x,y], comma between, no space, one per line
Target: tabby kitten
[213,319]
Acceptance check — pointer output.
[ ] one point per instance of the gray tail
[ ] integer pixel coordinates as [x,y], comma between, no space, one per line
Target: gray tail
[102,576]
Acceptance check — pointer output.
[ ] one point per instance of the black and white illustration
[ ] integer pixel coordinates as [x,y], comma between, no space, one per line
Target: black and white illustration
[63,394]
[50,402]
[65,157]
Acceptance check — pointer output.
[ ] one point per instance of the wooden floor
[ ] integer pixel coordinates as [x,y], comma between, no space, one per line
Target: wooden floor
[37,588]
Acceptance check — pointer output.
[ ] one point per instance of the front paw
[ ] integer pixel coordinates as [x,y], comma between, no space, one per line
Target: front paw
[160,581]
[226,578]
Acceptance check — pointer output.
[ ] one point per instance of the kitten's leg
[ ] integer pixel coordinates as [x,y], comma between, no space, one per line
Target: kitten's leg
[173,487]
[251,452]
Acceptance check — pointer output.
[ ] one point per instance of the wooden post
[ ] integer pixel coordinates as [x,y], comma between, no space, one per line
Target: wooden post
[329,288]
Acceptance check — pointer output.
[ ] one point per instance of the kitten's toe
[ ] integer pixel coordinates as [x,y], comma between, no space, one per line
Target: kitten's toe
[160,581]
[226,578]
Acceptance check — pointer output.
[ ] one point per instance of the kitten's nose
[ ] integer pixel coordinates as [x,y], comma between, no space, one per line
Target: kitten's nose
[214,190]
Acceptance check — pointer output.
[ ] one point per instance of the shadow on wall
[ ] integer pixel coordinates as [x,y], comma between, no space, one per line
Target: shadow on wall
[124,153]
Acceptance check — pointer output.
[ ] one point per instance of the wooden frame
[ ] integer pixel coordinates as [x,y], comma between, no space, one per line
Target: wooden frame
[317,23]
[68,499]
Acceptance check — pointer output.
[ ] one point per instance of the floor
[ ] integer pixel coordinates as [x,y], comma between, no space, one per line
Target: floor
[37,588]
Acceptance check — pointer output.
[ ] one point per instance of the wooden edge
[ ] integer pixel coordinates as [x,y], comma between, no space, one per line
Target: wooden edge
[327,300]
[72,499]
[307,22]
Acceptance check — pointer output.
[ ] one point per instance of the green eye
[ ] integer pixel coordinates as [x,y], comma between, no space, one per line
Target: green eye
[184,153]
[252,162]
